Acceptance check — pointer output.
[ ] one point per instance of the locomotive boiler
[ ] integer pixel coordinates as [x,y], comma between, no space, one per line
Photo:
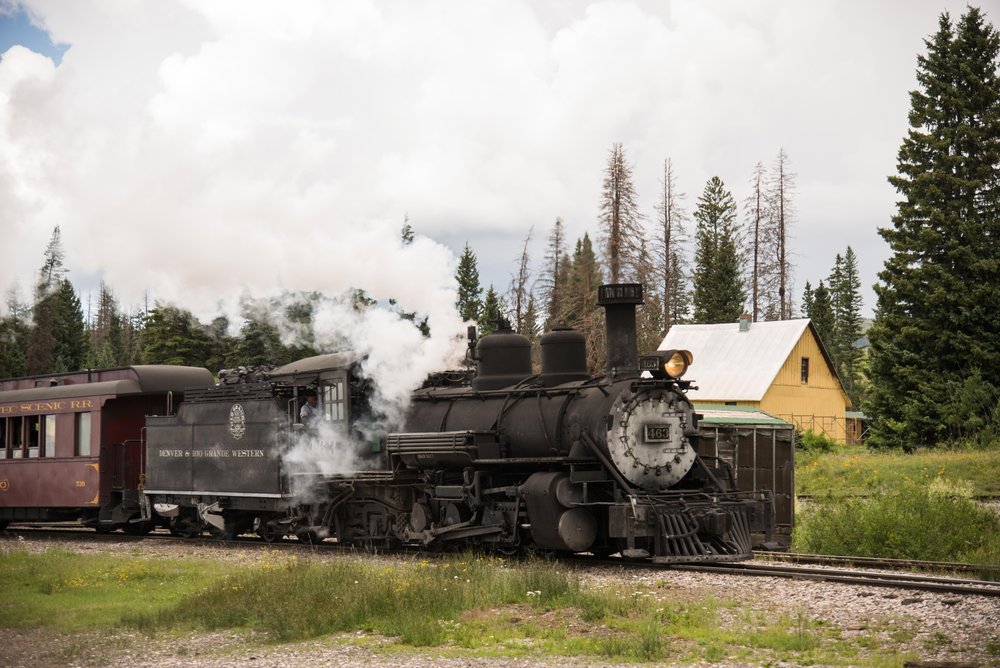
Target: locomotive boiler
[505,459]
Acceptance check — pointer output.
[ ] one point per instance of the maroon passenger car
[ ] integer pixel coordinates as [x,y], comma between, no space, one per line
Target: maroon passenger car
[72,444]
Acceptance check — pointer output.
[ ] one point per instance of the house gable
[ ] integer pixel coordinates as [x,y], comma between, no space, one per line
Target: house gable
[763,367]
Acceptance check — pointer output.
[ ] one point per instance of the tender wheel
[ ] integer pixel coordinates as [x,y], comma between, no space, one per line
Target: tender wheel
[221,534]
[138,528]
[185,532]
[268,534]
[310,537]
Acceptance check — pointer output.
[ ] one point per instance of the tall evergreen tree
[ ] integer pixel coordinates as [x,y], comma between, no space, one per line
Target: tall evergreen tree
[68,329]
[846,302]
[494,314]
[718,289]
[468,303]
[620,219]
[530,327]
[174,336]
[649,325]
[679,291]
[41,351]
[14,336]
[579,309]
[820,311]
[939,292]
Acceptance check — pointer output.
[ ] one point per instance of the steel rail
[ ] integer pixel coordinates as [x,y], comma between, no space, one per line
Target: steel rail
[878,562]
[869,578]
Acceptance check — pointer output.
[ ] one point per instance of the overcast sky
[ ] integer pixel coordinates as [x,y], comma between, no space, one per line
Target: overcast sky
[203,149]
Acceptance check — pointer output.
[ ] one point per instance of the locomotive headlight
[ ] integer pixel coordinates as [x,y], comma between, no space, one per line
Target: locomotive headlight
[667,364]
[676,362]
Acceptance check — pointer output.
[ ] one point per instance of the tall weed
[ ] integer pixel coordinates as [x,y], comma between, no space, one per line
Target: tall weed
[912,519]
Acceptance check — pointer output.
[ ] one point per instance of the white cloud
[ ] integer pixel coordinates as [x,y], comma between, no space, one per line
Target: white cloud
[199,150]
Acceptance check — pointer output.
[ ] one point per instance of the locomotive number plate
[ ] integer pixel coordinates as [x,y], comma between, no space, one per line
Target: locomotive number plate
[657,433]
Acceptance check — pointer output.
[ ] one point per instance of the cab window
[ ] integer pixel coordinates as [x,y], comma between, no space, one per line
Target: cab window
[334,402]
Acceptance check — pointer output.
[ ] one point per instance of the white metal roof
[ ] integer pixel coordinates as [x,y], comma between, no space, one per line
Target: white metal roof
[730,365]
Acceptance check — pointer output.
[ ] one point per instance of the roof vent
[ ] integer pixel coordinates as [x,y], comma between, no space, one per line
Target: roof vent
[745,320]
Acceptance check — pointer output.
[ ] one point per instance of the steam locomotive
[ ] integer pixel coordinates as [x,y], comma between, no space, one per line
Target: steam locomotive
[503,459]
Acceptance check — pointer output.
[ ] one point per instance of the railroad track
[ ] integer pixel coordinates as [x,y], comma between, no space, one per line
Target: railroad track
[855,577]
[888,564]
[938,584]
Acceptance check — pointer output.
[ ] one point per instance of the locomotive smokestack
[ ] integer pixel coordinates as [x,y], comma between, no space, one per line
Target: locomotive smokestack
[619,302]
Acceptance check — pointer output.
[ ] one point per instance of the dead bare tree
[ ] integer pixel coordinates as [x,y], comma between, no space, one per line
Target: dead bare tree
[620,218]
[520,293]
[671,219]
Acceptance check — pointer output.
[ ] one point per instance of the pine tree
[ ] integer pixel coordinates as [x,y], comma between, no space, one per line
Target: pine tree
[468,303]
[174,336]
[259,344]
[807,300]
[14,336]
[672,216]
[406,232]
[718,290]
[620,219]
[531,329]
[69,330]
[939,292]
[679,291]
[579,308]
[551,281]
[846,302]
[820,312]
[41,351]
[649,325]
[494,315]
[52,270]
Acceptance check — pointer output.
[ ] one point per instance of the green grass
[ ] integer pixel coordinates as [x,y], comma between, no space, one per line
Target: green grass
[897,505]
[466,606]
[38,590]
[852,471]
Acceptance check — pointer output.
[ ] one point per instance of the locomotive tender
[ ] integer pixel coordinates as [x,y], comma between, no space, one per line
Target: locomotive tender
[510,460]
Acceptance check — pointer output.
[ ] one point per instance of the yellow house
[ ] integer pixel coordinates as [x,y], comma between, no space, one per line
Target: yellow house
[779,367]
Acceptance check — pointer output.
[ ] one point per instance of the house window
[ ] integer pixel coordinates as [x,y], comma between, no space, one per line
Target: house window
[805,369]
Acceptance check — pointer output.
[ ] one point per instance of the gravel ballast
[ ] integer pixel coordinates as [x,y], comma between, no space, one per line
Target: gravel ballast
[929,627]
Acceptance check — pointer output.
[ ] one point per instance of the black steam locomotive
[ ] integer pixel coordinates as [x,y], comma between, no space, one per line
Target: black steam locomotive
[503,459]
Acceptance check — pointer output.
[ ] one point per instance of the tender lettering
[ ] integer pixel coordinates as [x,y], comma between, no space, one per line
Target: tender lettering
[213,453]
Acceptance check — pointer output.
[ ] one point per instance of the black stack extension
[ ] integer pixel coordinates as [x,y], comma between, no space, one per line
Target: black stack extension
[619,302]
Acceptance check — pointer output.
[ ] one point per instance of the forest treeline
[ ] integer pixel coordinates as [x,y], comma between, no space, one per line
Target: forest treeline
[930,376]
